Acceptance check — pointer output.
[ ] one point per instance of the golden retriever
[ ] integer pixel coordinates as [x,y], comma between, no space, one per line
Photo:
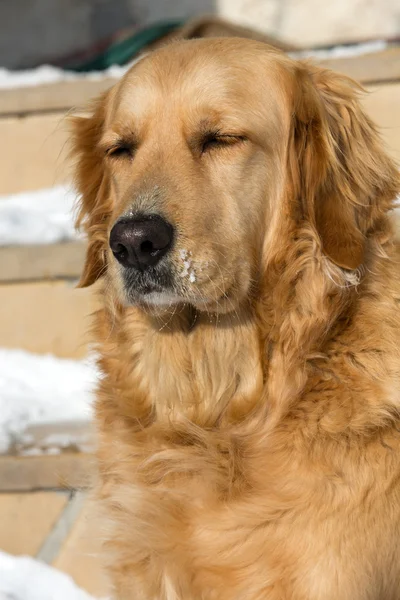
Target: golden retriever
[236,205]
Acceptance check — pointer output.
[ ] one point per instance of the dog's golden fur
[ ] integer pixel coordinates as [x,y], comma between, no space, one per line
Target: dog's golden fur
[249,439]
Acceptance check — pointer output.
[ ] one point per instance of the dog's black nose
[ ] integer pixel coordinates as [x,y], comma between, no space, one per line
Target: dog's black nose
[140,243]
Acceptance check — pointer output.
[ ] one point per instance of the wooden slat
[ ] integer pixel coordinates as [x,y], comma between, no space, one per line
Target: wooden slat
[64,436]
[46,317]
[80,555]
[382,103]
[49,261]
[65,471]
[51,547]
[60,96]
[33,152]
[368,68]
[27,519]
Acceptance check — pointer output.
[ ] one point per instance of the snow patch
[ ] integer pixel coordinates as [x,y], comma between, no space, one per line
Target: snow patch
[24,578]
[38,217]
[39,389]
[47,74]
[188,269]
[342,51]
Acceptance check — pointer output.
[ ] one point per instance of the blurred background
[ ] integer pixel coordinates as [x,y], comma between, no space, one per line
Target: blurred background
[55,55]
[37,31]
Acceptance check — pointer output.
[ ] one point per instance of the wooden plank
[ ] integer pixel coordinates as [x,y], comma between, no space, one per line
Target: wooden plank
[65,436]
[63,471]
[382,104]
[80,556]
[27,519]
[52,545]
[368,68]
[46,317]
[51,97]
[33,152]
[48,261]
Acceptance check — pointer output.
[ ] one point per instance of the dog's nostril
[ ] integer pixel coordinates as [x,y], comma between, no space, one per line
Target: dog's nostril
[119,249]
[147,246]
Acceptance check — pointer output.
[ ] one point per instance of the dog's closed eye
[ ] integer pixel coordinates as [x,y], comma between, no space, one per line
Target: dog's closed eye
[121,150]
[217,140]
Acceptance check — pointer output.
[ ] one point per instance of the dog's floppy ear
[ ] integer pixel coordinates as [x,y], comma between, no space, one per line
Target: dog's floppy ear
[93,186]
[340,172]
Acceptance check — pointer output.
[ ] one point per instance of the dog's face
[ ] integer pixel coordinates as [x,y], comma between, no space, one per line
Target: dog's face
[189,163]
[190,142]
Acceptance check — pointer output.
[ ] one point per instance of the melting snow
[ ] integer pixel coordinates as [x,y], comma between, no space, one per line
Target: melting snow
[23,578]
[47,74]
[38,389]
[346,51]
[188,269]
[39,217]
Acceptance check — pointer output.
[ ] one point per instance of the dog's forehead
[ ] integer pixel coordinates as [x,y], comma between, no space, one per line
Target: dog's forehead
[198,74]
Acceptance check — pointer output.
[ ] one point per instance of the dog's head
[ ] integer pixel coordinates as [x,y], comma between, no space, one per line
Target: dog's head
[192,166]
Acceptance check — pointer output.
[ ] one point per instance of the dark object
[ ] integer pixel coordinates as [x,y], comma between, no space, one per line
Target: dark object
[119,53]
[141,243]
[122,51]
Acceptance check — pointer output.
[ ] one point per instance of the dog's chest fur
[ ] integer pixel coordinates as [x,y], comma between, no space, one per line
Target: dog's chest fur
[191,478]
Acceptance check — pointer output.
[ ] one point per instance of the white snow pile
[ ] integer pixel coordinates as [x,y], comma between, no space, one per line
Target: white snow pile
[47,74]
[24,578]
[345,51]
[40,389]
[38,217]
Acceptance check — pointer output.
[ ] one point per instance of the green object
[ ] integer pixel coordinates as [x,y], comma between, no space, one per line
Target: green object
[122,52]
